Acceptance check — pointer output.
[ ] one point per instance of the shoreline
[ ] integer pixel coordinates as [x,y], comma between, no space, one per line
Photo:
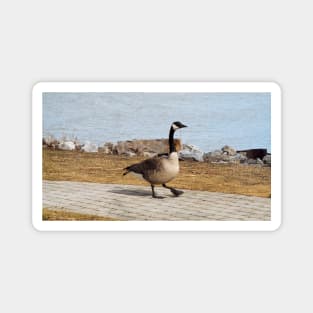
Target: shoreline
[156,147]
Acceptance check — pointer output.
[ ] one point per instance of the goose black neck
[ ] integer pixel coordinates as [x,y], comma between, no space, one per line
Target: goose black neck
[171,140]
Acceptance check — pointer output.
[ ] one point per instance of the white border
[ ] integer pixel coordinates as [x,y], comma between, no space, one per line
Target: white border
[42,87]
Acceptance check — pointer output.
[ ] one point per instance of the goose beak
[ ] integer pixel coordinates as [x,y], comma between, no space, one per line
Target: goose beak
[182,125]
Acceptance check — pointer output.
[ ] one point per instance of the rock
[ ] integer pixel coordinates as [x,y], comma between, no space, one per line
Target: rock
[225,155]
[226,158]
[66,145]
[242,158]
[259,161]
[229,150]
[89,147]
[252,161]
[237,158]
[147,154]
[267,159]
[78,146]
[188,155]
[229,155]
[107,148]
[157,146]
[129,154]
[215,157]
[104,150]
[216,153]
[50,141]
[189,147]
[231,158]
[191,152]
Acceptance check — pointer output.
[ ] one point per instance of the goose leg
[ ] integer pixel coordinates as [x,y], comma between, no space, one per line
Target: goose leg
[154,194]
[174,191]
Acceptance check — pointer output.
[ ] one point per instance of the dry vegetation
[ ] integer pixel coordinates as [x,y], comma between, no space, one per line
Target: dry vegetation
[101,168]
[60,215]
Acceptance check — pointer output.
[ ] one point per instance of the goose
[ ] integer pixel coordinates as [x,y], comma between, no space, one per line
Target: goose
[160,170]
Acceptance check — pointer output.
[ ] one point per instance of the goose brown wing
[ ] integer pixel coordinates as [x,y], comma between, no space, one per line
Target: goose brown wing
[145,167]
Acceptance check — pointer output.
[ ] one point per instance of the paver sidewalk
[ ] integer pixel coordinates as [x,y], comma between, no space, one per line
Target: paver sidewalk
[130,202]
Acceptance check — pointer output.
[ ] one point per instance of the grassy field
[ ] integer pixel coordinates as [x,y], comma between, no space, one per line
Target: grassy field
[101,168]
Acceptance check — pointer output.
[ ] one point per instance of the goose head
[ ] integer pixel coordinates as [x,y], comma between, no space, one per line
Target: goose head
[177,125]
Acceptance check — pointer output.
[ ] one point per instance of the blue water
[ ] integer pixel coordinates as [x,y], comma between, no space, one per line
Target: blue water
[241,120]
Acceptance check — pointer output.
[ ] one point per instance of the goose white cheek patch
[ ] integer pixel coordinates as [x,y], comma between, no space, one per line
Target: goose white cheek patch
[88,138]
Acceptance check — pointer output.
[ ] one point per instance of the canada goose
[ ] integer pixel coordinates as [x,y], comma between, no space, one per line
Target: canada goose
[160,170]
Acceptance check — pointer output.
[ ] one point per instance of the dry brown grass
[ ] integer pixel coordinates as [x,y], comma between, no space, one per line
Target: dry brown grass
[58,215]
[101,168]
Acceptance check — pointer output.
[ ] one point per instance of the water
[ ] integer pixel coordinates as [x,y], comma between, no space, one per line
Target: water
[241,120]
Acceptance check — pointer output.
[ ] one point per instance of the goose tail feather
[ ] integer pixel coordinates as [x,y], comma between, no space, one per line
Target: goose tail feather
[126,170]
[129,169]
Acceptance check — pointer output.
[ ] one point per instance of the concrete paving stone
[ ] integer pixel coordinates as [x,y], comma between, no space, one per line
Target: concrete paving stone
[130,202]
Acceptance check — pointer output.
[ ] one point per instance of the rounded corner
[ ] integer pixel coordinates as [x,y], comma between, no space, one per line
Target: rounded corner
[276,87]
[36,225]
[276,225]
[37,87]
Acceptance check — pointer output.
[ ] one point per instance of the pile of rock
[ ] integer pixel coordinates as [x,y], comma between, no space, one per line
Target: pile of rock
[147,148]
[68,144]
[107,148]
[225,155]
[89,147]
[256,156]
[267,160]
[230,155]
[50,142]
[153,147]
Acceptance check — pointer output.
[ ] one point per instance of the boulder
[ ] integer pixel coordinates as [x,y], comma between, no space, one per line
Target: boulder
[259,161]
[78,146]
[129,154]
[237,158]
[191,155]
[191,152]
[214,156]
[225,155]
[66,145]
[242,158]
[89,147]
[50,141]
[229,150]
[267,159]
[107,148]
[229,155]
[147,154]
[157,146]
[252,161]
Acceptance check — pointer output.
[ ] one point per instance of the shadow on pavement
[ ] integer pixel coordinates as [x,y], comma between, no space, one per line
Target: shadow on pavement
[141,193]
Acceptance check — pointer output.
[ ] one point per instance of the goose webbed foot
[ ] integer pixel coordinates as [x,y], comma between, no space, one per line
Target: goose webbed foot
[154,194]
[174,191]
